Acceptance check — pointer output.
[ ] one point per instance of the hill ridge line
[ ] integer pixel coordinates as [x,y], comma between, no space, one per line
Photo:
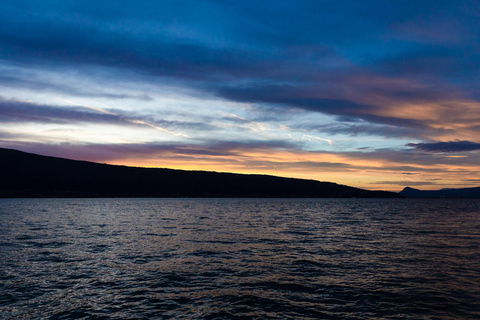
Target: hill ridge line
[31,175]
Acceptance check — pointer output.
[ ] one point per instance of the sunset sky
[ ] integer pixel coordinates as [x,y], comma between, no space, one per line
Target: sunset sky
[371,94]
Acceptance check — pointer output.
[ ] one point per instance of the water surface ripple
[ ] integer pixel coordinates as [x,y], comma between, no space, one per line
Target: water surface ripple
[239,259]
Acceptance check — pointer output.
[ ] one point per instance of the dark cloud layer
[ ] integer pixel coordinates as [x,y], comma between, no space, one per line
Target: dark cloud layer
[20,111]
[449,146]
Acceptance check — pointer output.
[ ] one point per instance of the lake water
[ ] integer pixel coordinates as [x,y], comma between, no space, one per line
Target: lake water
[239,259]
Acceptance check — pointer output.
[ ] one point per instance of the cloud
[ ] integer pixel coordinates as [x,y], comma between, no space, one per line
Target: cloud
[407,160]
[39,41]
[40,83]
[406,183]
[400,112]
[14,111]
[226,150]
[20,111]
[449,146]
[368,129]
[247,123]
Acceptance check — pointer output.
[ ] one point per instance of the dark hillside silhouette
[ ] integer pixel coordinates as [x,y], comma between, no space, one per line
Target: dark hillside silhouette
[443,193]
[29,175]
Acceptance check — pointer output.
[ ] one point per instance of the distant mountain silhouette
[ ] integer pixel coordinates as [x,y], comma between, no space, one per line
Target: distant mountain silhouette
[443,193]
[28,175]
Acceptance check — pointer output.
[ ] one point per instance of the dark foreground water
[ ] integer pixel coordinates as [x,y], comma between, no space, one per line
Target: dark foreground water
[239,259]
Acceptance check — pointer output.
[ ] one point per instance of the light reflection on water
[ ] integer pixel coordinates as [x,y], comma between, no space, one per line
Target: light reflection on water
[234,258]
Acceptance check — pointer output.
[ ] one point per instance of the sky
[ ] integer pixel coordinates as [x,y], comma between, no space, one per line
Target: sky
[373,94]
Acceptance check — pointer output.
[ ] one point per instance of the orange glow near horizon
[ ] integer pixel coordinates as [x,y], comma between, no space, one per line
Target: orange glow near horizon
[361,173]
